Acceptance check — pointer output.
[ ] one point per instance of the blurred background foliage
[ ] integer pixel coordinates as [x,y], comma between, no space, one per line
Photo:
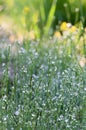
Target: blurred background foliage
[43,16]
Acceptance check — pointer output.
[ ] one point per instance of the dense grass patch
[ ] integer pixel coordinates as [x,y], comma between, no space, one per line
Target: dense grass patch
[43,82]
[43,87]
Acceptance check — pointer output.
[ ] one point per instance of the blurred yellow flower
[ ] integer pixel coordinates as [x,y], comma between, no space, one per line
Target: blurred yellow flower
[26,9]
[73,29]
[63,26]
[35,17]
[57,34]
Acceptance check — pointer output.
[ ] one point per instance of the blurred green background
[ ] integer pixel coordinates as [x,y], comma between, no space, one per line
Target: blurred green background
[42,16]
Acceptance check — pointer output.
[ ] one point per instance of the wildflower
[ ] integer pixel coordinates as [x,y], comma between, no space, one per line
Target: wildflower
[57,34]
[69,25]
[73,29]
[26,9]
[17,113]
[63,26]
[35,17]
[4,98]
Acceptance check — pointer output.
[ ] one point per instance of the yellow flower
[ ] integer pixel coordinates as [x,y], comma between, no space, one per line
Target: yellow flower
[64,26]
[57,34]
[35,17]
[73,29]
[26,9]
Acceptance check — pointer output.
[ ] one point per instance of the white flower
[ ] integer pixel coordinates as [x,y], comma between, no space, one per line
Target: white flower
[17,112]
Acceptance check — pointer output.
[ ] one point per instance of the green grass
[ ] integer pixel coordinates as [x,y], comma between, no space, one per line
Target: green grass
[48,89]
[43,86]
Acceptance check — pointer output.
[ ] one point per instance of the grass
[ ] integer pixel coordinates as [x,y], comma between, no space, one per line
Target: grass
[47,90]
[43,81]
